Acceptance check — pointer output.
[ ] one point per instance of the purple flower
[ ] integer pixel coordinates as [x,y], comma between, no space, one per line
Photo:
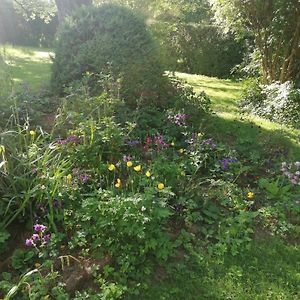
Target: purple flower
[178,119]
[29,242]
[39,228]
[84,178]
[70,139]
[225,162]
[160,141]
[210,143]
[73,139]
[35,237]
[47,238]
[132,142]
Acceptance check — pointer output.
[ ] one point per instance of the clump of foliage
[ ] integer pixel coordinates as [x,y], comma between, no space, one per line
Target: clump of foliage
[114,193]
[111,40]
[276,102]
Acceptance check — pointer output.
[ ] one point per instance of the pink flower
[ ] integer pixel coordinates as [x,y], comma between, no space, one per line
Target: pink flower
[35,237]
[29,242]
[39,228]
[47,238]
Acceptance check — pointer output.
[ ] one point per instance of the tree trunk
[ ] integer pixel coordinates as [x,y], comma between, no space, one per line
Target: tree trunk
[66,7]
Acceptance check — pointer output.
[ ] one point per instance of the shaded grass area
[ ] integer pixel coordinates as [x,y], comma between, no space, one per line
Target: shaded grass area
[269,269]
[30,67]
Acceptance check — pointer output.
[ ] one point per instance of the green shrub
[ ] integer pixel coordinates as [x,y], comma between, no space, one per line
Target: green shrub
[108,40]
[276,102]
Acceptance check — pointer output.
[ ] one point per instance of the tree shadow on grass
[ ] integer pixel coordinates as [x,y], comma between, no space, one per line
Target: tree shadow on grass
[33,73]
[249,137]
[268,268]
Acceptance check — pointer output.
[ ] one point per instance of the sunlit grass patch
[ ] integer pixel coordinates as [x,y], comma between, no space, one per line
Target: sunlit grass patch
[223,92]
[29,66]
[251,132]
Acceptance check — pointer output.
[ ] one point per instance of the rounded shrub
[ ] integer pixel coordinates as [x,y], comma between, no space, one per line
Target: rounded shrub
[109,39]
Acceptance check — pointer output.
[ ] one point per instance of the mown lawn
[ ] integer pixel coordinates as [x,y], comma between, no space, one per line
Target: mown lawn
[269,269]
[29,67]
[251,133]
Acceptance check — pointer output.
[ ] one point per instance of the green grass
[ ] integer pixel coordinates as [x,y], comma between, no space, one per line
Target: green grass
[29,66]
[223,92]
[269,269]
[248,132]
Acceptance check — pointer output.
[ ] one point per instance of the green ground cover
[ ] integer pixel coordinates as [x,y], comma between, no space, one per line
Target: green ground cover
[269,268]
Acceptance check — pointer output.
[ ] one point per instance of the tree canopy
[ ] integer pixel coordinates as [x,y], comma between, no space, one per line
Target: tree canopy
[275,27]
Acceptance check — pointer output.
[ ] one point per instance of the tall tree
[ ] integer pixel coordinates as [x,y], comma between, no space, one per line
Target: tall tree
[45,9]
[275,26]
[66,7]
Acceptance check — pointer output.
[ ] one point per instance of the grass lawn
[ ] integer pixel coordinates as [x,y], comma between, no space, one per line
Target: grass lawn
[269,269]
[29,66]
[251,133]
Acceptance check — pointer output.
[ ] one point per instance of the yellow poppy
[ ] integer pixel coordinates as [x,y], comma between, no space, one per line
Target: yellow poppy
[32,133]
[250,195]
[129,164]
[118,184]
[111,167]
[148,174]
[137,168]
[173,144]
[160,186]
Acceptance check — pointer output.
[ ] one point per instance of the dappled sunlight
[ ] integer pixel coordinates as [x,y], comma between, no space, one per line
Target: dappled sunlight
[29,65]
[223,92]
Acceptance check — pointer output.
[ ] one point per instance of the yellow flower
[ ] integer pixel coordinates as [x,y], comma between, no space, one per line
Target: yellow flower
[160,186]
[32,133]
[137,168]
[250,195]
[111,167]
[173,144]
[129,164]
[118,184]
[200,134]
[181,150]
[148,174]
